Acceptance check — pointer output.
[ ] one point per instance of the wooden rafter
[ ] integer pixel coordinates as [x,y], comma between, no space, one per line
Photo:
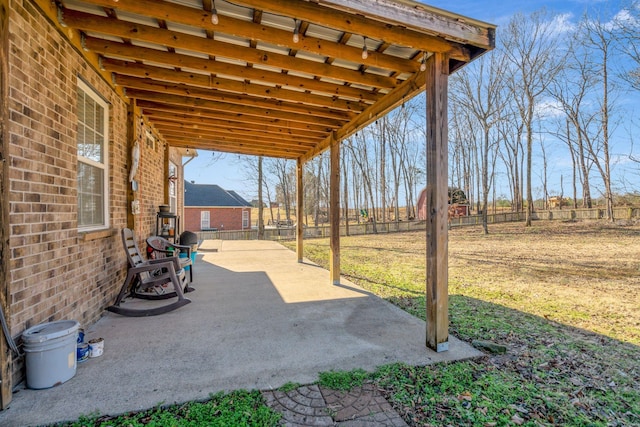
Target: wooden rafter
[239,147]
[223,135]
[204,104]
[242,73]
[212,121]
[226,99]
[357,24]
[269,93]
[174,39]
[152,108]
[162,10]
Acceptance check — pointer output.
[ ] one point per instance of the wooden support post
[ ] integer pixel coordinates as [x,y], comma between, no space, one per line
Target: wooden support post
[437,203]
[299,210]
[334,212]
[6,361]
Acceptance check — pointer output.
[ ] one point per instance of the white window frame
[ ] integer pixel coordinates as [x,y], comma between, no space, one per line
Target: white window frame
[103,166]
[205,219]
[245,219]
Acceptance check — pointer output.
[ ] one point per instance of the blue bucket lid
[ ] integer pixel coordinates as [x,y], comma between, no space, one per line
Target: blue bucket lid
[49,331]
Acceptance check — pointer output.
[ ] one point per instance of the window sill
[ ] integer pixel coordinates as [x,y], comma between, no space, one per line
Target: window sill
[98,234]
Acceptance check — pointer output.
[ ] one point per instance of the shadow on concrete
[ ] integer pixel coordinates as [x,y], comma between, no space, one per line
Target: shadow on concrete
[258,319]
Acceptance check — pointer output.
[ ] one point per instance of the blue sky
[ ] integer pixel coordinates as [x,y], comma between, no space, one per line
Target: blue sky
[228,173]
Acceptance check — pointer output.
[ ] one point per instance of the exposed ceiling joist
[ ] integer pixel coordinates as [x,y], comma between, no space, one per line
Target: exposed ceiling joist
[244,84]
[257,32]
[174,39]
[228,99]
[121,69]
[239,72]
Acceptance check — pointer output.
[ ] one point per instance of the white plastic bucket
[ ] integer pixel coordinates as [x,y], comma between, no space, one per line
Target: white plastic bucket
[50,350]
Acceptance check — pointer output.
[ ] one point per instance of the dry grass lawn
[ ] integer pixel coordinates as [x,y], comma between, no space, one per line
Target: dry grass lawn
[563,298]
[583,274]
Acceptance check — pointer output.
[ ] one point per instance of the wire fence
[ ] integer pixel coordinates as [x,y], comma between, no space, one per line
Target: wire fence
[289,233]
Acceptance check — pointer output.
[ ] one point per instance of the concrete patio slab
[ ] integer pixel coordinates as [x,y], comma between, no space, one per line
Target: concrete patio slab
[258,319]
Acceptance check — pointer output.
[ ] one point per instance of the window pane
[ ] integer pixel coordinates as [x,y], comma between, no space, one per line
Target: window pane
[90,128]
[90,113]
[90,197]
[92,159]
[204,220]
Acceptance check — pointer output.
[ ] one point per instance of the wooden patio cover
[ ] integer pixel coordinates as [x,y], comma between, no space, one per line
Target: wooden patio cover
[287,79]
[243,83]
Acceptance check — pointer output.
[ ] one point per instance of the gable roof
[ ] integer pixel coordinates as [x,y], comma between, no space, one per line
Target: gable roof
[211,195]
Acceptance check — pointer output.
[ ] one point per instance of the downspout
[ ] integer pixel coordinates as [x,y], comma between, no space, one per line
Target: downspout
[192,156]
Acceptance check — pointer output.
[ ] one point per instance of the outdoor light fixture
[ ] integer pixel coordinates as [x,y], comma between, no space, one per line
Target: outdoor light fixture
[365,53]
[214,14]
[423,64]
[296,32]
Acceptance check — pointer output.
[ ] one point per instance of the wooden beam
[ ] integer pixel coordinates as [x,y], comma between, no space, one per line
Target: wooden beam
[444,24]
[265,113]
[299,209]
[136,53]
[234,140]
[188,121]
[123,68]
[334,211]
[357,24]
[222,137]
[208,143]
[185,15]
[240,148]
[174,39]
[227,98]
[437,294]
[212,130]
[6,360]
[151,108]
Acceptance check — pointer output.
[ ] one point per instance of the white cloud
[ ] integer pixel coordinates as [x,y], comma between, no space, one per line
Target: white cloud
[561,24]
[548,108]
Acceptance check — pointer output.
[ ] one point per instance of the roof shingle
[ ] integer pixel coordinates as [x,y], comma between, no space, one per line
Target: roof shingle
[211,195]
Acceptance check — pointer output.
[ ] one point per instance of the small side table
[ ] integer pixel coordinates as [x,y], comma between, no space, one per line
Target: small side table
[170,219]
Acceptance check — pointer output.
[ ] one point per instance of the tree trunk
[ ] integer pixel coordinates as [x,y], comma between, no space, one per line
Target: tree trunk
[260,202]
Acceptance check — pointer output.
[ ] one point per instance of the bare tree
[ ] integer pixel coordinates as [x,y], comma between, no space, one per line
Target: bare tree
[600,39]
[480,91]
[260,201]
[628,22]
[571,90]
[511,136]
[284,173]
[345,182]
[360,155]
[530,45]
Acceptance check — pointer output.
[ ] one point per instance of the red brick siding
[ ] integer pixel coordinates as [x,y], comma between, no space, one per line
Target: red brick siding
[57,272]
[220,218]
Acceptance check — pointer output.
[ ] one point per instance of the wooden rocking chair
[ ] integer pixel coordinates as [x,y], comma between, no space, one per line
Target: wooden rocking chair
[148,279]
[159,247]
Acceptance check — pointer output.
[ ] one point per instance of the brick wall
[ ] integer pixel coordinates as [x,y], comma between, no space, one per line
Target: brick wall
[57,272]
[220,218]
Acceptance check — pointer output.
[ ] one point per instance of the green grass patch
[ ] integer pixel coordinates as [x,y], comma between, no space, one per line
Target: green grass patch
[238,408]
[343,380]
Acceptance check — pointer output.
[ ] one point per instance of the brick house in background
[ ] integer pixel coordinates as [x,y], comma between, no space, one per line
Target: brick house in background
[210,207]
